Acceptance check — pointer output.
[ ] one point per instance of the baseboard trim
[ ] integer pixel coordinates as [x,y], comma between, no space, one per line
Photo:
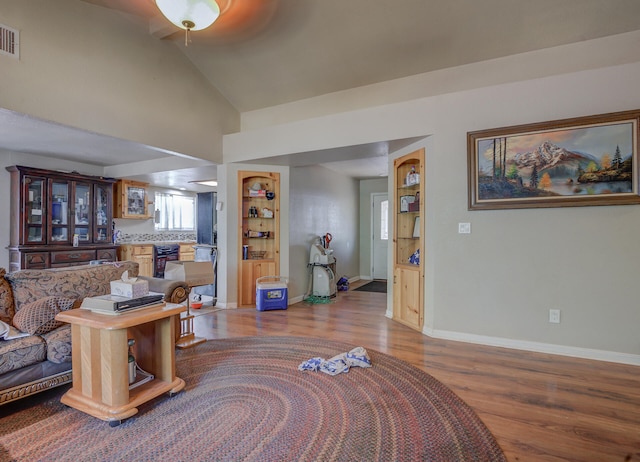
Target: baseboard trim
[562,350]
[538,347]
[295,300]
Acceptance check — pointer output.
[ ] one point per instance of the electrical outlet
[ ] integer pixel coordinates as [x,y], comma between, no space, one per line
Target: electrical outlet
[464,228]
[554,316]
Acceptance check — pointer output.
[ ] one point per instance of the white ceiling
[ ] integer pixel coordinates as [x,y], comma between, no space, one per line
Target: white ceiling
[262,53]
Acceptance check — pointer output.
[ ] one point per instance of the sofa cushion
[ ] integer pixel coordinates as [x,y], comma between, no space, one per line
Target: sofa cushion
[39,317]
[21,352]
[6,299]
[59,344]
[74,282]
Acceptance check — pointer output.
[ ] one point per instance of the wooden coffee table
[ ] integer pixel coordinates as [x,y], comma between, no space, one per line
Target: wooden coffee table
[99,359]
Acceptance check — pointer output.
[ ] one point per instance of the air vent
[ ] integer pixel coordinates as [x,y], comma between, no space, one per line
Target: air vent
[9,41]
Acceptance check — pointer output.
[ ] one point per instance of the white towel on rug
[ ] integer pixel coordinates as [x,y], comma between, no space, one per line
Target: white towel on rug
[340,363]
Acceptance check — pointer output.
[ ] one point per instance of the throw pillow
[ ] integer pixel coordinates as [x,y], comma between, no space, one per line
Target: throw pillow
[59,345]
[39,317]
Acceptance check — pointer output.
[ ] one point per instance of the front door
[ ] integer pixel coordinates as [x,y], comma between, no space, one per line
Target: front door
[380,235]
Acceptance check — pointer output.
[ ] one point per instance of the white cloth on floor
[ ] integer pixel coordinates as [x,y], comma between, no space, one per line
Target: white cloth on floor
[340,363]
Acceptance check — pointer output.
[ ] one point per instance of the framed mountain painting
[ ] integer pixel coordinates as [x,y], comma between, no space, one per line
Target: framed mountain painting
[572,162]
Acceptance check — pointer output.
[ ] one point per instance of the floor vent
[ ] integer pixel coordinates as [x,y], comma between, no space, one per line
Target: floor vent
[9,41]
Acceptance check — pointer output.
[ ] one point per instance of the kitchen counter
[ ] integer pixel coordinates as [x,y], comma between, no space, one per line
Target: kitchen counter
[164,242]
[155,238]
[150,262]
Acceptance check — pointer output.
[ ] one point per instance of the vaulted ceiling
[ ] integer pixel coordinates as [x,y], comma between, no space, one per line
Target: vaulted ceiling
[262,53]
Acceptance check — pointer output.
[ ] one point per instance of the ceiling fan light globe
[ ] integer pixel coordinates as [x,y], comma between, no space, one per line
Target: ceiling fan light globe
[200,13]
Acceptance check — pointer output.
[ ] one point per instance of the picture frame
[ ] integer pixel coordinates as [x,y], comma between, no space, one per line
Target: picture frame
[405,201]
[416,227]
[582,161]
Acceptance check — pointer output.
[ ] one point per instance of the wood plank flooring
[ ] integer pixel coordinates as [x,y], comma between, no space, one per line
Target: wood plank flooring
[540,407]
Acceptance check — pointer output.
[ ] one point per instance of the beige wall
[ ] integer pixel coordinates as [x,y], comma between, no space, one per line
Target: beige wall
[92,68]
[88,67]
[322,201]
[591,54]
[496,285]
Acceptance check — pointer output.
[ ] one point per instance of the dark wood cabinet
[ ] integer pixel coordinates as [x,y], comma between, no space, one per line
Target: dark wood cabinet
[59,219]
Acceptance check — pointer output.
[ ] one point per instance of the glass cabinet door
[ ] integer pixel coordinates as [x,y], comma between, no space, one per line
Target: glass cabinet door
[34,209]
[102,202]
[136,201]
[59,212]
[408,240]
[82,212]
[407,226]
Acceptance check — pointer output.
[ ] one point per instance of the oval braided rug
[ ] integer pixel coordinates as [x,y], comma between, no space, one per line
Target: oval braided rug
[246,400]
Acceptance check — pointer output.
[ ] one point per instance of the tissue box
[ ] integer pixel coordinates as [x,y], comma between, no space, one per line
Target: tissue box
[129,289]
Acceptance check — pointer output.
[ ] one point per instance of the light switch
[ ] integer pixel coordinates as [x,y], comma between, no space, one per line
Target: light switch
[464,228]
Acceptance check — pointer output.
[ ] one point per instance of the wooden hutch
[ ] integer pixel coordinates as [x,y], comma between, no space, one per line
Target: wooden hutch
[59,219]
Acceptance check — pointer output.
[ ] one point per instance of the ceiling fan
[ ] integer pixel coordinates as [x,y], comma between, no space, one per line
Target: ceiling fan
[236,18]
[189,14]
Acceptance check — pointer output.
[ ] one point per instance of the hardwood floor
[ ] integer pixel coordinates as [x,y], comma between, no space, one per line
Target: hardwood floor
[540,407]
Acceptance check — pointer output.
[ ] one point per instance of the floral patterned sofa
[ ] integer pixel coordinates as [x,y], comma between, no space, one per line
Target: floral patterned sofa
[29,301]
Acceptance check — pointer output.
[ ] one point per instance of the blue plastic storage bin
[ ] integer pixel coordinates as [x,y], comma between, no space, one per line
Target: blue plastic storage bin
[271,293]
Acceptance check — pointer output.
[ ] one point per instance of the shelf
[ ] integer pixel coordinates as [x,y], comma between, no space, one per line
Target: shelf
[142,377]
[251,219]
[408,288]
[146,391]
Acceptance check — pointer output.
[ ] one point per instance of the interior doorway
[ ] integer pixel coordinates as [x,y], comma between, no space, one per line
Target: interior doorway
[380,235]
